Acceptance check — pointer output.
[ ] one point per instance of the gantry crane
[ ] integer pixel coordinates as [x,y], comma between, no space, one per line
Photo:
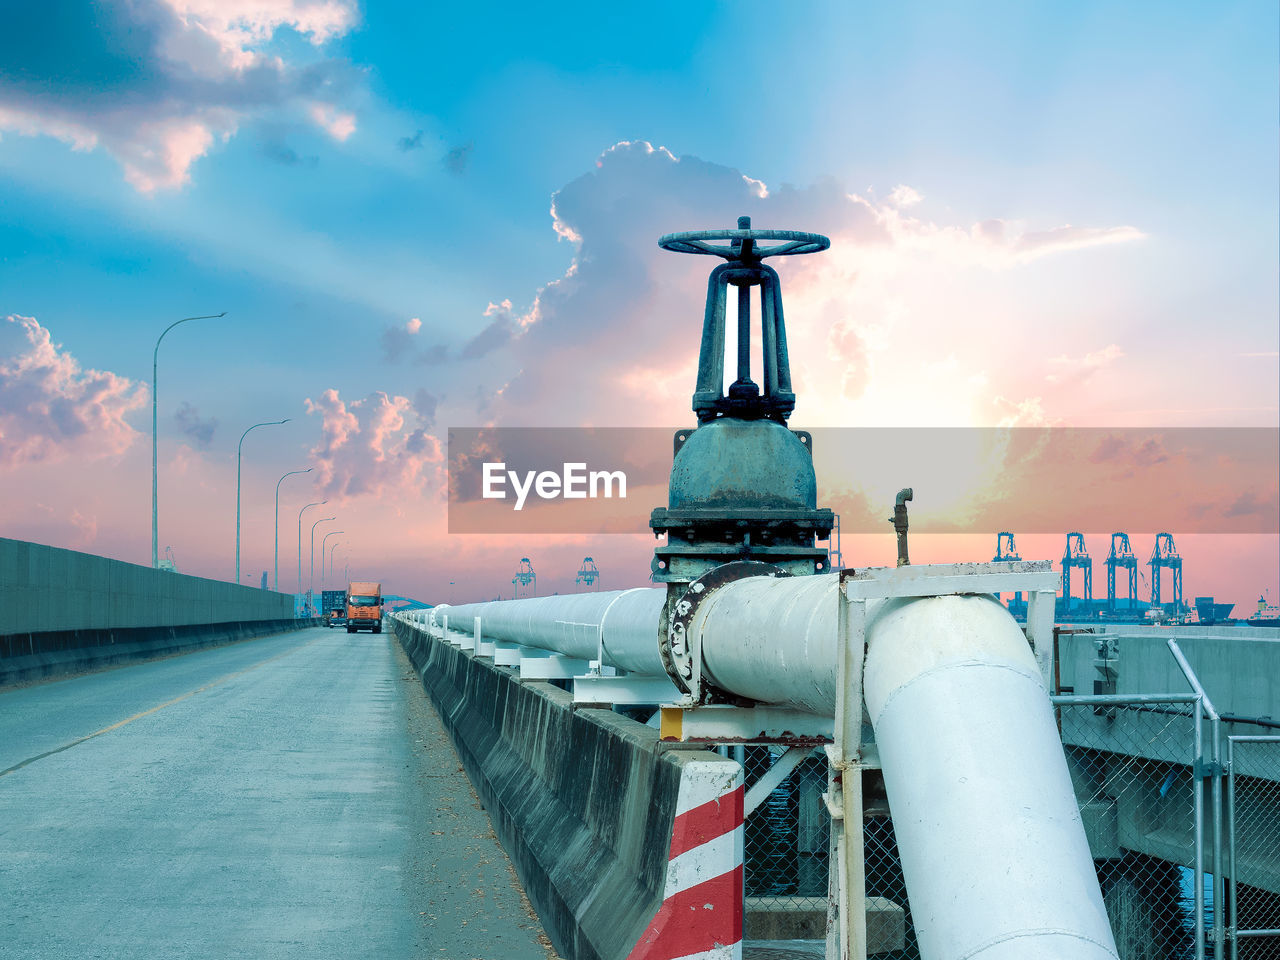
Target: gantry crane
[1121,555]
[1165,554]
[1006,549]
[525,576]
[1075,555]
[589,573]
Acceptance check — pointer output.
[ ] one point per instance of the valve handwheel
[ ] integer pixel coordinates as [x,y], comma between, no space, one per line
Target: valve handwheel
[743,244]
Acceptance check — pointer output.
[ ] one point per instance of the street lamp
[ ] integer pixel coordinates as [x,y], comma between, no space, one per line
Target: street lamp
[311,590]
[323,544]
[268,423]
[155,359]
[318,503]
[332,551]
[277,529]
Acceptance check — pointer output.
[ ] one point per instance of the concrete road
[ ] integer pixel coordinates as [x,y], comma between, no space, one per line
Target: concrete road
[292,796]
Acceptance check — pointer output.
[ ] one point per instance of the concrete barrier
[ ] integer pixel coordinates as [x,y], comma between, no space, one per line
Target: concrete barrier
[62,611]
[41,656]
[46,589]
[627,850]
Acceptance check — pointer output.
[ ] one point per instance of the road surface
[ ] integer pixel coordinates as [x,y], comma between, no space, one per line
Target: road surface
[291,796]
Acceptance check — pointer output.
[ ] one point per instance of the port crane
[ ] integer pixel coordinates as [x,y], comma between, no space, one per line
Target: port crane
[1121,556]
[589,573]
[1075,555]
[1165,556]
[1006,549]
[525,576]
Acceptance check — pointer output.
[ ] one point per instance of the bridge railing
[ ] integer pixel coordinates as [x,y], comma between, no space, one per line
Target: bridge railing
[1135,764]
[1253,846]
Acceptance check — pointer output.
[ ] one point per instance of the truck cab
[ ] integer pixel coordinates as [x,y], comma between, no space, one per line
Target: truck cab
[364,606]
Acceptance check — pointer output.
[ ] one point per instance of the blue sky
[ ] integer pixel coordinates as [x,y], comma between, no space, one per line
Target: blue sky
[329,172]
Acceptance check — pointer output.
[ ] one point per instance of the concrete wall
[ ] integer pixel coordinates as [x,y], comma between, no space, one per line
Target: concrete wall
[583,801]
[45,589]
[63,612]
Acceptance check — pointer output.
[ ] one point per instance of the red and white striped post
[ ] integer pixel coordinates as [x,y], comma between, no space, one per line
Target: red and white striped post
[701,913]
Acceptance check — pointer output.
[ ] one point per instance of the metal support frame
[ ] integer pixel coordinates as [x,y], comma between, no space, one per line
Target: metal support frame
[721,723]
[1233,932]
[506,654]
[482,647]
[847,911]
[1212,771]
[782,768]
[552,666]
[600,688]
[846,885]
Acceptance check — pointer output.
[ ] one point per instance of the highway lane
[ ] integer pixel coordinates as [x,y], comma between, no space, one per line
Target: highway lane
[292,796]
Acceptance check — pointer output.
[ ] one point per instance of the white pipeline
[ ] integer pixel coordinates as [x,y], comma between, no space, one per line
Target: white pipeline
[993,850]
[571,625]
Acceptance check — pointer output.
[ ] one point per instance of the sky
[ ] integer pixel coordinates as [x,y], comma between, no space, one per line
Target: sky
[424,216]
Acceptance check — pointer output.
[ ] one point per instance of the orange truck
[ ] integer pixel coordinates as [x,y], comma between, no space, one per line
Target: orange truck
[364,606]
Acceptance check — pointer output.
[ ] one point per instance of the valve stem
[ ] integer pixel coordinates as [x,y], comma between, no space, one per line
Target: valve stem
[899,521]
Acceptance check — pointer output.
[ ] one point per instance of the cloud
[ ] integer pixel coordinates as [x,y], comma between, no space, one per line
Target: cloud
[904,196]
[456,160]
[372,446]
[333,121]
[50,408]
[613,339]
[406,144]
[156,83]
[199,431]
[285,155]
[503,327]
[1077,370]
[397,339]
[86,529]
[424,405]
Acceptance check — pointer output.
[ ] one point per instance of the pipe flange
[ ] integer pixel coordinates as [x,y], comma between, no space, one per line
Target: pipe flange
[682,660]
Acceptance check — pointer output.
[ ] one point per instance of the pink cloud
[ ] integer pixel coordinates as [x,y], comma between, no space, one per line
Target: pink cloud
[333,121]
[1077,370]
[198,71]
[371,446]
[51,409]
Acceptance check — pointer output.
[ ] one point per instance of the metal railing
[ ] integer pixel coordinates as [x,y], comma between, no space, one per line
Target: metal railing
[1253,788]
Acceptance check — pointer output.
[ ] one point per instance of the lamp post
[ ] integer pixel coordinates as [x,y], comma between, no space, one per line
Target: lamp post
[155,360]
[324,543]
[239,446]
[332,551]
[276,587]
[318,503]
[311,589]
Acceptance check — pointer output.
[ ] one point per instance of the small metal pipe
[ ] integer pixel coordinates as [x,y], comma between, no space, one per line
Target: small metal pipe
[1215,733]
[899,521]
[1231,845]
[1121,699]
[1219,882]
[1192,678]
[1197,803]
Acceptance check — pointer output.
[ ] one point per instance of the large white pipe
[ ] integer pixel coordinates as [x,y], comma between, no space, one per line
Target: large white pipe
[993,849]
[772,640]
[571,624]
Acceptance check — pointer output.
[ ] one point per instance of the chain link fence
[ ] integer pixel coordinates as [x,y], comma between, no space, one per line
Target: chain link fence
[1253,847]
[1133,765]
[1146,786]
[786,838]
